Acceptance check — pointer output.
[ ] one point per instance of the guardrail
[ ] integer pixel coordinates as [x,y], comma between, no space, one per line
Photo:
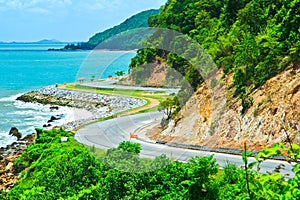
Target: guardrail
[233,151]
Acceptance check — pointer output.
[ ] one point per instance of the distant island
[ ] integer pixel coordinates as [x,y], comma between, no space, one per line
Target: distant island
[44,41]
[52,41]
[124,40]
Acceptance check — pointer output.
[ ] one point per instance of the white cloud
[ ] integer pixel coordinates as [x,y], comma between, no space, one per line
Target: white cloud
[96,5]
[40,11]
[14,4]
[30,4]
[53,6]
[90,6]
[59,18]
[58,3]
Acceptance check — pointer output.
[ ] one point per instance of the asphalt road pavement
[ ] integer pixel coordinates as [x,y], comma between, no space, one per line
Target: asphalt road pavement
[108,134]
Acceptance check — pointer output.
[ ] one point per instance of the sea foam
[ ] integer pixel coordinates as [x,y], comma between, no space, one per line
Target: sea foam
[10,98]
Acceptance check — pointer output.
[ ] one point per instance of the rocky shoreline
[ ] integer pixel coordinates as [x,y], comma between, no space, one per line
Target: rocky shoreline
[8,172]
[87,106]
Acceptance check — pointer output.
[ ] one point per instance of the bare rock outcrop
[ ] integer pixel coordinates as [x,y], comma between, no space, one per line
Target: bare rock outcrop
[212,117]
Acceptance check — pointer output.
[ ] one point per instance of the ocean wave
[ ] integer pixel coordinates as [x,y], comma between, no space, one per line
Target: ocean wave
[30,105]
[28,116]
[6,139]
[25,112]
[35,118]
[27,130]
[10,98]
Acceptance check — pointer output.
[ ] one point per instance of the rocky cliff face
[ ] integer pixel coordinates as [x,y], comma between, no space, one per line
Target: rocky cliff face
[212,117]
[153,75]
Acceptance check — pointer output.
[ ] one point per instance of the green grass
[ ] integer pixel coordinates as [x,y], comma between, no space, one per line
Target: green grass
[120,92]
[155,108]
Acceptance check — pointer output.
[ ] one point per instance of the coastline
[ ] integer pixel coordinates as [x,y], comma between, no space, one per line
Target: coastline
[85,106]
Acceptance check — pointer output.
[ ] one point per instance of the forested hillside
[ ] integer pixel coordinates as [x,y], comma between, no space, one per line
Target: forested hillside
[251,39]
[139,20]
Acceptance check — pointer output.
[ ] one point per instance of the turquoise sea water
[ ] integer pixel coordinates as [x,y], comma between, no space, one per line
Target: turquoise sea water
[27,67]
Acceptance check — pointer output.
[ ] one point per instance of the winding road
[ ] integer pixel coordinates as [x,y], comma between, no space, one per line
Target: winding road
[108,134]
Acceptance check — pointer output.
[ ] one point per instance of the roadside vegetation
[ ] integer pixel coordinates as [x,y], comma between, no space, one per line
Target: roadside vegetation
[51,169]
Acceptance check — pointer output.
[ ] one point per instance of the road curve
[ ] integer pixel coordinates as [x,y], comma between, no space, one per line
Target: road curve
[108,134]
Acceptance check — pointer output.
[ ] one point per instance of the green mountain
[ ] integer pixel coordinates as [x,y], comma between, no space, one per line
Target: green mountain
[139,20]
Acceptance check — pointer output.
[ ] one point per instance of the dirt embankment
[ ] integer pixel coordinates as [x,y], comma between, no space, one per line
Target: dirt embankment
[212,117]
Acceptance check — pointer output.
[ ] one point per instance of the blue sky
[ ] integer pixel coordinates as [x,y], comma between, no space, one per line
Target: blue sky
[65,20]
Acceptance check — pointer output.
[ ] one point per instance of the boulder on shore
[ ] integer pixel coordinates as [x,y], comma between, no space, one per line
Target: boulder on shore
[52,119]
[46,125]
[54,108]
[29,138]
[15,132]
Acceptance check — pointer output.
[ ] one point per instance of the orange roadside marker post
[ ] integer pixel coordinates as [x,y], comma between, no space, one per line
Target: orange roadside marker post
[133,136]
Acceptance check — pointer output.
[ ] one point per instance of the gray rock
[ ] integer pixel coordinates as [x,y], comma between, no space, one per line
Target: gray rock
[100,105]
[15,132]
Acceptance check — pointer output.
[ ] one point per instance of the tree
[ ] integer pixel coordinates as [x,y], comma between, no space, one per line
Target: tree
[93,77]
[168,106]
[119,73]
[130,147]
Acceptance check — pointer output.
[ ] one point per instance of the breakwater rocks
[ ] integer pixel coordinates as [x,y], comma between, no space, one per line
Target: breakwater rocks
[100,105]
